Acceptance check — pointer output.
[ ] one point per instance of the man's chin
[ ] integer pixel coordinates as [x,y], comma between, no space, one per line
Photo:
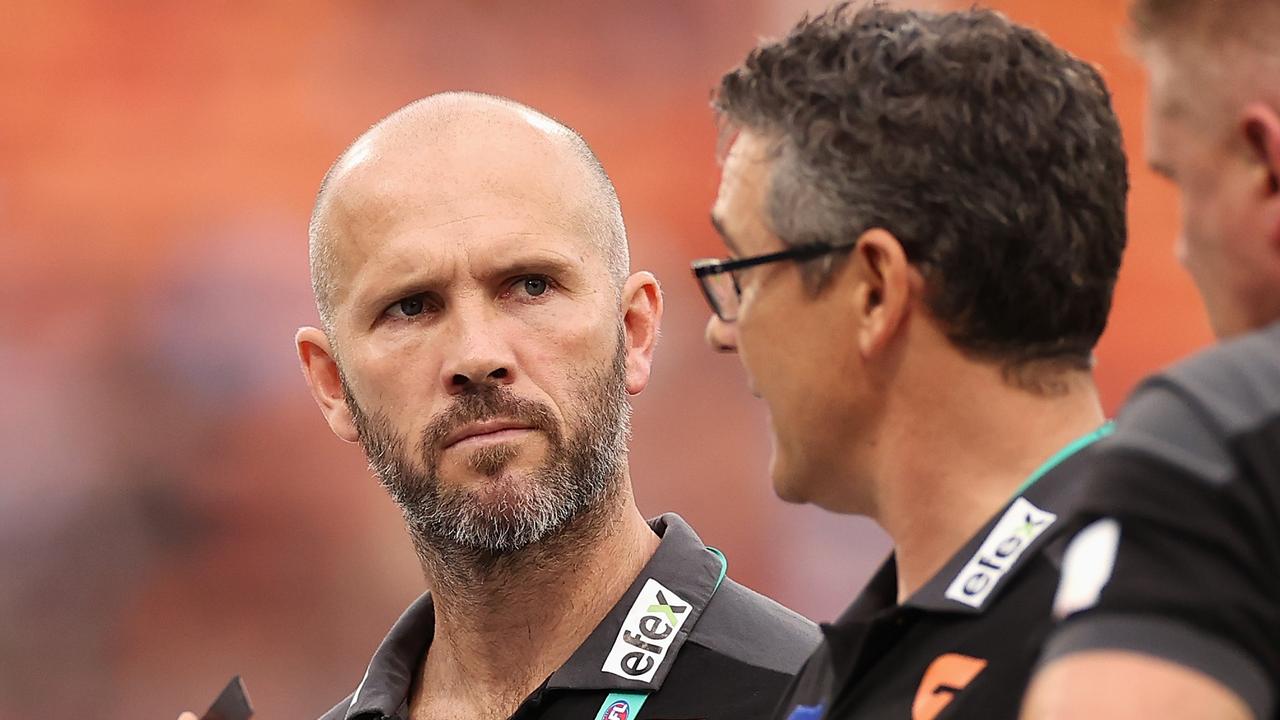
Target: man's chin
[788,492]
[482,475]
[498,519]
[502,495]
[786,485]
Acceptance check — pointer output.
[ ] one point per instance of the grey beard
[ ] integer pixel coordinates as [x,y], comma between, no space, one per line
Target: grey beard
[452,526]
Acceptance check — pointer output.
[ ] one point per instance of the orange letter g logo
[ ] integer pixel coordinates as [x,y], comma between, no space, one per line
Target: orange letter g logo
[945,677]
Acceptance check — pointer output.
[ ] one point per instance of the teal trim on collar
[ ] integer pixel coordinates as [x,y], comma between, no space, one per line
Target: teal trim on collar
[724,565]
[1072,448]
[629,705]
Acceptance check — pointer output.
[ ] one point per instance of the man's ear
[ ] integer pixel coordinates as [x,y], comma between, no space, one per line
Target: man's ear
[321,370]
[1261,127]
[882,282]
[642,319]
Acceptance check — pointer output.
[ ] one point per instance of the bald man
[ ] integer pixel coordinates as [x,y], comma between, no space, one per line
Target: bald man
[1170,595]
[481,335]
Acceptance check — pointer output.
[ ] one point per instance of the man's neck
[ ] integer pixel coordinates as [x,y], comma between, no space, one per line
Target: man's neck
[502,633]
[946,471]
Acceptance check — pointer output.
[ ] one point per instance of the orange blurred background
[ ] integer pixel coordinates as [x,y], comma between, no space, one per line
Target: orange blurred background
[173,509]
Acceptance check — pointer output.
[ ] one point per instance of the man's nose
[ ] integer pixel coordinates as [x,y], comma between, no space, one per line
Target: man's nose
[480,354]
[722,336]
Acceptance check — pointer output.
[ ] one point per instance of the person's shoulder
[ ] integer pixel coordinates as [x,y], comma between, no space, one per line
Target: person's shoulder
[1193,416]
[753,629]
[1235,384]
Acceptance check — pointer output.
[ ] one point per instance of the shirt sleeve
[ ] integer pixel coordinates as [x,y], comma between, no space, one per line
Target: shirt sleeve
[1179,555]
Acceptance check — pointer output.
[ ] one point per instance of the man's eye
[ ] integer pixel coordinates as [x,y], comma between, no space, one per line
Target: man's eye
[531,286]
[408,307]
[535,286]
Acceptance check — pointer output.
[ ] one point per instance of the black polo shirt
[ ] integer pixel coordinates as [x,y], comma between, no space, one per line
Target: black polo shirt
[683,642]
[964,645]
[1181,555]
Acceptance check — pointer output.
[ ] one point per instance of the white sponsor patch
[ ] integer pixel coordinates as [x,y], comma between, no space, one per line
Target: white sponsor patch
[1086,567]
[1020,525]
[653,622]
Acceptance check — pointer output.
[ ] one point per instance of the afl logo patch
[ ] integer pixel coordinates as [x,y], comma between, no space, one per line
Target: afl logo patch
[618,711]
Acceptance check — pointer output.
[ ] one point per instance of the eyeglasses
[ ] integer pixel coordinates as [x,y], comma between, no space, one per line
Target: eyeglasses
[720,285]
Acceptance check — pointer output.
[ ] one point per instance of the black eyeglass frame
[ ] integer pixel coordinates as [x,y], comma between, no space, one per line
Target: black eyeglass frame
[709,267]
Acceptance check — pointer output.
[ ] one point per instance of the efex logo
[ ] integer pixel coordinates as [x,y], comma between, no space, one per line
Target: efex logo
[652,624]
[1020,525]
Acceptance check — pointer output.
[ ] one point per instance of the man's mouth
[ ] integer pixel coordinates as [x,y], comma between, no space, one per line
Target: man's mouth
[494,430]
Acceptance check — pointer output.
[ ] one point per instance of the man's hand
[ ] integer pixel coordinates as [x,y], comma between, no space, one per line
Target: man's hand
[188,716]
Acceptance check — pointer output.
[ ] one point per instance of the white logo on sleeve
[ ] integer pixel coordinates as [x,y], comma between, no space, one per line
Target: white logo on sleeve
[653,622]
[1020,525]
[1086,567]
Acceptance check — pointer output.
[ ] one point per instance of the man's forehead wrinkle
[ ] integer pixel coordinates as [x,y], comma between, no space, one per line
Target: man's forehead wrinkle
[392,266]
[455,221]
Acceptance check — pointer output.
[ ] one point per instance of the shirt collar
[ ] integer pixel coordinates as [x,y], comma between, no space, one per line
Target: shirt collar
[975,577]
[681,566]
[687,571]
[385,686]
[1052,493]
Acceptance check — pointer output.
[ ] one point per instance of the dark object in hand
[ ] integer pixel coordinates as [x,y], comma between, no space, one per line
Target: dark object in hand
[232,703]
